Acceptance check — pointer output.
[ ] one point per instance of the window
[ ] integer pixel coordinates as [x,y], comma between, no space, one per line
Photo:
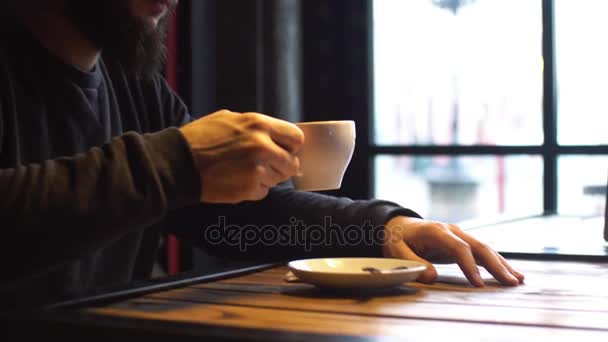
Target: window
[582,71]
[489,107]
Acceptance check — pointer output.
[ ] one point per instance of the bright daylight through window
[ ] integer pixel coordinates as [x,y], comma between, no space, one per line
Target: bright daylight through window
[470,72]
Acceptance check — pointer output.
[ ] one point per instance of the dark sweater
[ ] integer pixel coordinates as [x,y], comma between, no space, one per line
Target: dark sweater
[93,171]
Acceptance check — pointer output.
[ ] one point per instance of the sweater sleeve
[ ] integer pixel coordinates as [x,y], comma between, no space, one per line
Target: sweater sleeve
[288,224]
[65,208]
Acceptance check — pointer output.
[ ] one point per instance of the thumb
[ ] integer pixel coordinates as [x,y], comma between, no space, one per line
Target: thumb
[401,250]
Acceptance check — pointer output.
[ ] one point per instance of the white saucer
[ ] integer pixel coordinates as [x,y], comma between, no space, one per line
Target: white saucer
[350,273]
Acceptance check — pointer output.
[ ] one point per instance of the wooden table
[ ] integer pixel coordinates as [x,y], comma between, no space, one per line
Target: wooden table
[561,301]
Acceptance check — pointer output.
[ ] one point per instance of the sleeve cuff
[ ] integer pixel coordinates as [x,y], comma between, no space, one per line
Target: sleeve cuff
[176,167]
[381,213]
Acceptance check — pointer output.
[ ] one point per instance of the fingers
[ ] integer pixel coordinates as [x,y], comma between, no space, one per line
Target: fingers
[449,242]
[271,158]
[400,250]
[285,134]
[241,156]
[269,176]
[262,187]
[491,260]
[461,251]
[488,259]
[281,164]
[517,274]
[425,236]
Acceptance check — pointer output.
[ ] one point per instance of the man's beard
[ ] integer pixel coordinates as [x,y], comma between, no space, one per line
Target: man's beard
[123,38]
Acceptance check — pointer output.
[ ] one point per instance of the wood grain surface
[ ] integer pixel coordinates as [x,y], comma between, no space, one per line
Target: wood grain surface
[560,300]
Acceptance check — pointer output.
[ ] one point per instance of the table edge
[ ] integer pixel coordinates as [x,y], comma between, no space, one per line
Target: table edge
[163,285]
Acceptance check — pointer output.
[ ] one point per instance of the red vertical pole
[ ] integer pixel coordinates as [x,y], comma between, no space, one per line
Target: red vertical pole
[173,261]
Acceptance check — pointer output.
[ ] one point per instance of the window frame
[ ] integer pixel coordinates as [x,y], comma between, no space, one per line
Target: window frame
[549,151]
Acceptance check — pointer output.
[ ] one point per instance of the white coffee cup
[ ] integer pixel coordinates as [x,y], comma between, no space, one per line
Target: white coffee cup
[325,155]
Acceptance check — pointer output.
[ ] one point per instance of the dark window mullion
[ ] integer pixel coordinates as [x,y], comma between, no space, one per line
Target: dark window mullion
[550,147]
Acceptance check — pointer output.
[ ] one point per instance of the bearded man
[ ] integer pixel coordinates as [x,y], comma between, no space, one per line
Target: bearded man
[98,157]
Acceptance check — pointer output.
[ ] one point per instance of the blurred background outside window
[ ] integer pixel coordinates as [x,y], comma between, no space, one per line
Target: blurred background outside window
[470,72]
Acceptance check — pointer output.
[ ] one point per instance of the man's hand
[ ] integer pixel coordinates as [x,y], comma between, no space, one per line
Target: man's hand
[241,156]
[429,241]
